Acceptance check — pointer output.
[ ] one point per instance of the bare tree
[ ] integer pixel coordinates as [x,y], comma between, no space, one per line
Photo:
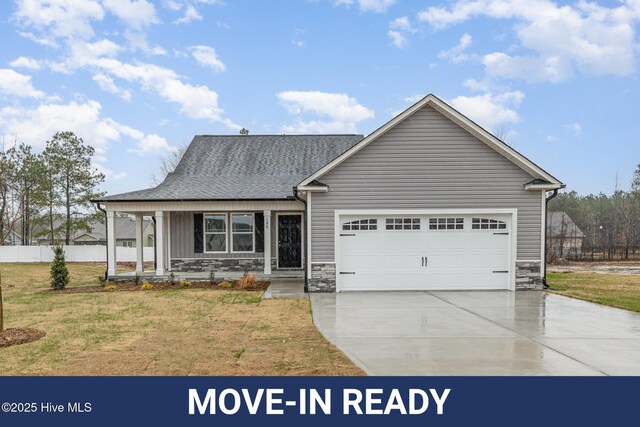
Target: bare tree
[168,164]
[503,134]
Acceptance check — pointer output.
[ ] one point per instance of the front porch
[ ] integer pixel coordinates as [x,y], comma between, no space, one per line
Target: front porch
[194,239]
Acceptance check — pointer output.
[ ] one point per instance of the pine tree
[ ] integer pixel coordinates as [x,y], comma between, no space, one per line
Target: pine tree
[59,271]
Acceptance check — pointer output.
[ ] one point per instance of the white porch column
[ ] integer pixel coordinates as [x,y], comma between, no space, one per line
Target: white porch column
[111,244]
[159,243]
[267,242]
[139,245]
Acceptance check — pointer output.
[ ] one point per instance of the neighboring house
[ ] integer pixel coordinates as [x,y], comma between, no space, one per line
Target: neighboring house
[564,237]
[430,200]
[125,232]
[13,239]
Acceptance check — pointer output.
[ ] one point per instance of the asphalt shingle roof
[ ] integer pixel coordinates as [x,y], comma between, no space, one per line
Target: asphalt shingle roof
[244,167]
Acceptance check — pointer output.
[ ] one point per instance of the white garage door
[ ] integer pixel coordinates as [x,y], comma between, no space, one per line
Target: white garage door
[423,252]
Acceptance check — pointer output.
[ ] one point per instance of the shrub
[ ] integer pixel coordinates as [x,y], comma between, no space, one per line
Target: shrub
[59,271]
[248,280]
[172,279]
[146,286]
[212,277]
[185,283]
[224,284]
[110,288]
[136,280]
[102,280]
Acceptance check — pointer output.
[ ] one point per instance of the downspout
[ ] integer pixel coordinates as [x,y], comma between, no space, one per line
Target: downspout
[545,285]
[306,255]
[106,236]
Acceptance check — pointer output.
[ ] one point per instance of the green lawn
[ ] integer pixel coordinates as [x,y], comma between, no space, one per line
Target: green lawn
[616,290]
[168,332]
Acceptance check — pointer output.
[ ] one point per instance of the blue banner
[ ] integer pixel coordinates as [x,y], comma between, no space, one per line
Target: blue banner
[419,401]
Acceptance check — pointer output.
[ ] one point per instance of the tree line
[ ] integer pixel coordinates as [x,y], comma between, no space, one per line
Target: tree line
[47,194]
[610,223]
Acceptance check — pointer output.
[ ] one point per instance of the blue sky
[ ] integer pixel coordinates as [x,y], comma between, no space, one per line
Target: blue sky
[137,79]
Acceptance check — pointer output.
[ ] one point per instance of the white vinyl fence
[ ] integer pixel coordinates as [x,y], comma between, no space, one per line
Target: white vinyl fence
[89,253]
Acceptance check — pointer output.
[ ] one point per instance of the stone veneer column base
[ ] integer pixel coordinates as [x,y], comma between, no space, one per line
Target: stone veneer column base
[323,278]
[528,276]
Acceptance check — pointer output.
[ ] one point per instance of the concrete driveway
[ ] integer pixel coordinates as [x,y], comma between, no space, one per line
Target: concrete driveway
[479,333]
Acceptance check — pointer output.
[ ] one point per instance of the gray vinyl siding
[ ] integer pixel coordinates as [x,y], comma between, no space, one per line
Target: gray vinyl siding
[182,239]
[426,162]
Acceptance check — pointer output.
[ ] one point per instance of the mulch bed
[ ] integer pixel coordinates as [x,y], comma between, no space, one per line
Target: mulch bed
[15,336]
[260,285]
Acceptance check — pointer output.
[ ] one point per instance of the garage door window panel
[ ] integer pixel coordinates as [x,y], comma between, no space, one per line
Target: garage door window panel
[361,224]
[446,223]
[402,224]
[487,224]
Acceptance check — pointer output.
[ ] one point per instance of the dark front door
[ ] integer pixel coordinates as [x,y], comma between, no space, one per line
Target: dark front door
[289,241]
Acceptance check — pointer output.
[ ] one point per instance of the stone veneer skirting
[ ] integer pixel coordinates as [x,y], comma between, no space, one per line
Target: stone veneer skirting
[528,276]
[196,265]
[323,278]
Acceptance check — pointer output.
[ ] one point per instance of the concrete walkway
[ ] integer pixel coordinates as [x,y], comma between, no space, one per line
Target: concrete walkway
[479,333]
[285,288]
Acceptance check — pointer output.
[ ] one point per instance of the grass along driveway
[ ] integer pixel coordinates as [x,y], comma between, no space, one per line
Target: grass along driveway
[616,290]
[172,332]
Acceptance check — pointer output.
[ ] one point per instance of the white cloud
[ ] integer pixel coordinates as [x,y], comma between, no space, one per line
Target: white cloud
[157,51]
[401,23]
[530,68]
[397,38]
[298,43]
[476,85]
[16,84]
[490,110]
[378,6]
[457,53]
[575,127]
[172,4]
[207,57]
[25,62]
[151,143]
[196,102]
[137,14]
[343,111]
[62,18]
[190,14]
[586,36]
[44,41]
[399,28]
[37,125]
[107,84]
[414,98]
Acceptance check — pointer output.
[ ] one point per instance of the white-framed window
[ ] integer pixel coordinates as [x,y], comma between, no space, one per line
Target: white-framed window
[487,224]
[446,223]
[402,224]
[127,244]
[242,232]
[215,232]
[361,224]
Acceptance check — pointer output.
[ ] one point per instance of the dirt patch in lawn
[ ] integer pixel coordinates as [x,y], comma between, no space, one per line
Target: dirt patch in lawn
[15,336]
[599,267]
[159,286]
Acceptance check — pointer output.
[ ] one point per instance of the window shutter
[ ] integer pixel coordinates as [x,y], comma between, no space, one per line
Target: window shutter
[259,227]
[198,233]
